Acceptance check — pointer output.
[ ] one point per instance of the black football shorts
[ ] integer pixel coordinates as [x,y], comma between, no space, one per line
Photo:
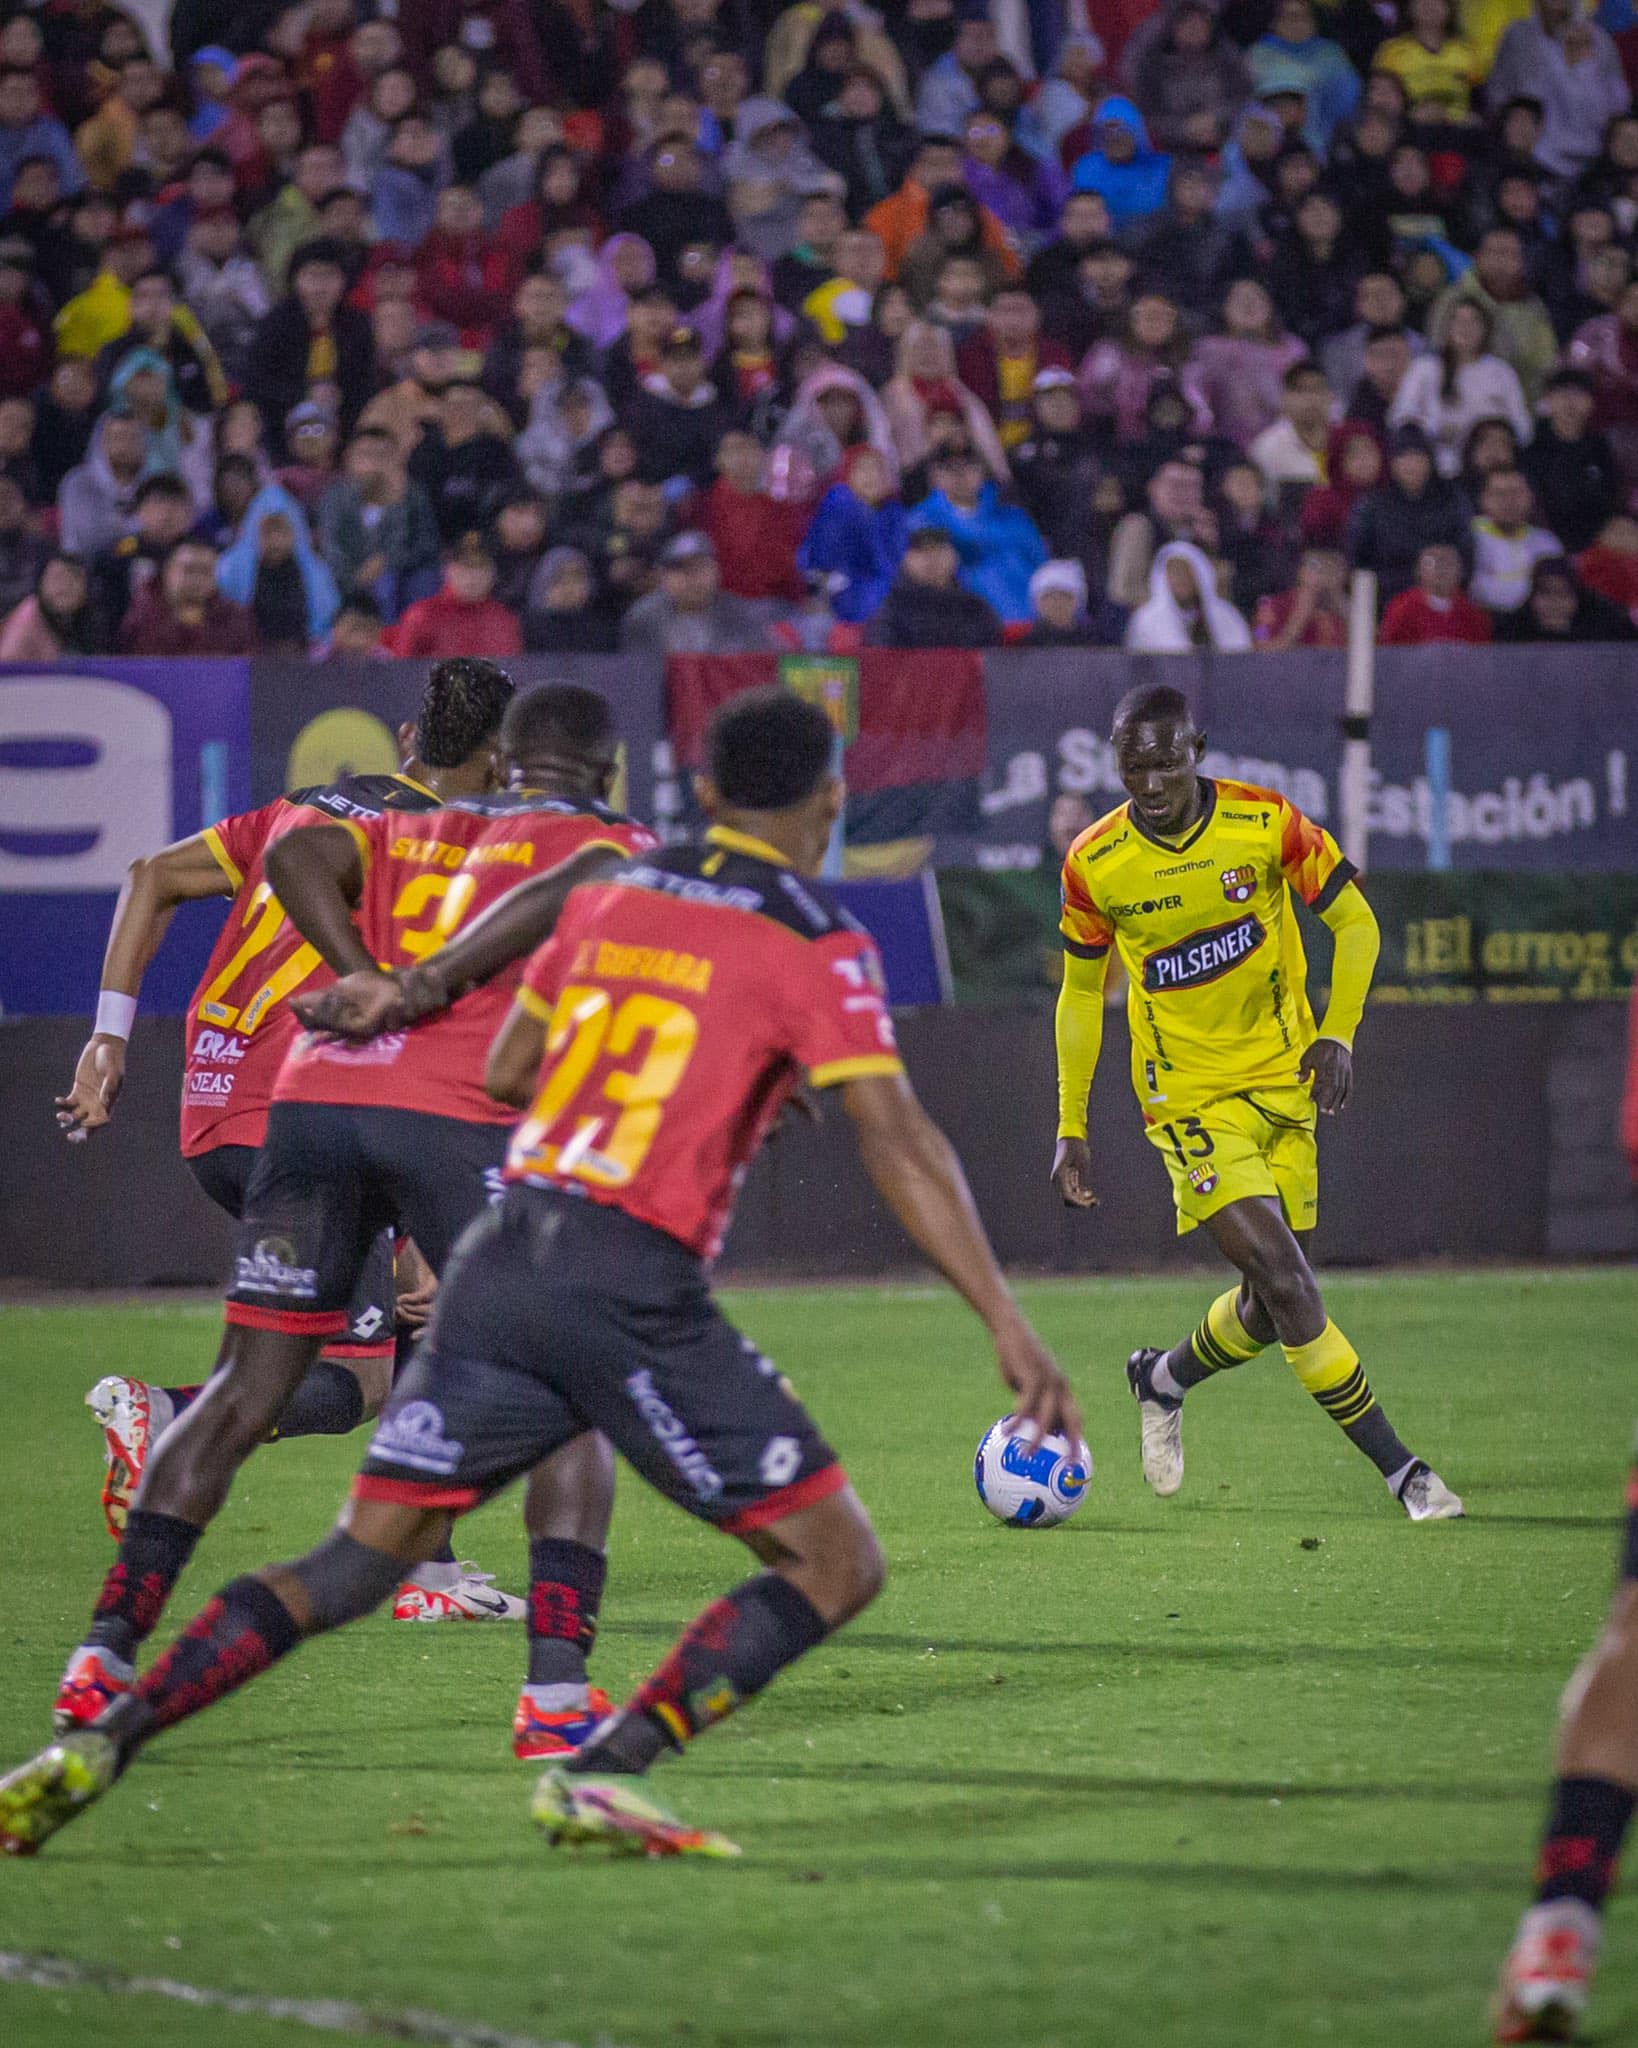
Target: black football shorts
[328,1180]
[558,1315]
[224,1174]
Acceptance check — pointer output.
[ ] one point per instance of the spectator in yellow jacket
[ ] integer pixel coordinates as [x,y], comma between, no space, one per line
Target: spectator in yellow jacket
[1432,62]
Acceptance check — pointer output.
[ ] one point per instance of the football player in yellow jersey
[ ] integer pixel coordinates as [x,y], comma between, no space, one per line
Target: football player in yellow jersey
[1190,881]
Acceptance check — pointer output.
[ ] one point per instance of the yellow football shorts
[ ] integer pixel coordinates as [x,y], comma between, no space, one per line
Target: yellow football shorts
[1260,1143]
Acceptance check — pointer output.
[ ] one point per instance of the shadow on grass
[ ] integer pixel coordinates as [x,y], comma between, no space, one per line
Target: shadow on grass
[1163,1647]
[1085,1784]
[770,1852]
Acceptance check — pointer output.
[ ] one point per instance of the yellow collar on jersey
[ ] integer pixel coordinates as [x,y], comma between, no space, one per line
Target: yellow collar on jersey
[742,842]
[410,782]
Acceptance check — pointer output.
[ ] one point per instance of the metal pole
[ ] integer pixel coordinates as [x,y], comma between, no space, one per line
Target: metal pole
[835,866]
[1359,700]
[1436,756]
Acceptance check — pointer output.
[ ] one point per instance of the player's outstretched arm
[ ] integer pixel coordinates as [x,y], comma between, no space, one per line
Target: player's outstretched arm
[317,873]
[918,1175]
[1079,1032]
[1329,1061]
[153,887]
[515,1054]
[368,1002]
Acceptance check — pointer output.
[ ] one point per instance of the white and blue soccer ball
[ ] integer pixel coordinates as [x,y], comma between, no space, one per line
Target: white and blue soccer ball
[1030,1485]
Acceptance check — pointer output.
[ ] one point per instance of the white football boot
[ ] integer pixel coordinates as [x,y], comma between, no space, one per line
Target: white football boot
[1426,1498]
[1161,1427]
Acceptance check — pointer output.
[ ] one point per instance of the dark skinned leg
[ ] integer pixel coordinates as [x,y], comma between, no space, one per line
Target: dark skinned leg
[824,1567]
[566,1511]
[1280,1284]
[254,1621]
[188,1475]
[1235,1328]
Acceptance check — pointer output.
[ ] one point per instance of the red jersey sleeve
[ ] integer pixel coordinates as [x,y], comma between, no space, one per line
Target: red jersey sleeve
[840,1026]
[237,843]
[1086,931]
[1310,859]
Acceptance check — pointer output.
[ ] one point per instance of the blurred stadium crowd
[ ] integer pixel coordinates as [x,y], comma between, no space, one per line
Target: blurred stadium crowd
[701,326]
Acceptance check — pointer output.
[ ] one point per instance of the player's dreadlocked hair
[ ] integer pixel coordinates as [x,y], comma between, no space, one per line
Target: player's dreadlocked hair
[768,750]
[462,706]
[1154,704]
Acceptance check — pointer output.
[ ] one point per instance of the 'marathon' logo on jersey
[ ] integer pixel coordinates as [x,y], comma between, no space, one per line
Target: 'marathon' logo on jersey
[1202,957]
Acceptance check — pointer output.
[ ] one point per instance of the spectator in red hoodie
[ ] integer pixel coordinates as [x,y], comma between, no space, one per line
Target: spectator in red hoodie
[462,273]
[1435,608]
[325,67]
[755,536]
[1610,565]
[25,348]
[464,617]
[1354,465]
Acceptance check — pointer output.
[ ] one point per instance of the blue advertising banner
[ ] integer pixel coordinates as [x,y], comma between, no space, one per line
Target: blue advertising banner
[906,920]
[101,762]
[1540,744]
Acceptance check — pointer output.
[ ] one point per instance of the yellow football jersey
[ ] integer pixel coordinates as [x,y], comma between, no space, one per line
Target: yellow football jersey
[1218,999]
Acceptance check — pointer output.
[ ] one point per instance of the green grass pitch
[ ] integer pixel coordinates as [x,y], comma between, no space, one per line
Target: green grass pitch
[1261,1764]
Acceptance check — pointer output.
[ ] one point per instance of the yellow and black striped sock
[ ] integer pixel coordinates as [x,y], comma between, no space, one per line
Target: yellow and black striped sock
[1222,1341]
[1219,1342]
[1329,1368]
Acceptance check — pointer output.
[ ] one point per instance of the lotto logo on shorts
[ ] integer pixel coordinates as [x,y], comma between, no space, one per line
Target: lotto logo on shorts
[271,1269]
[414,1436]
[1239,884]
[1203,1179]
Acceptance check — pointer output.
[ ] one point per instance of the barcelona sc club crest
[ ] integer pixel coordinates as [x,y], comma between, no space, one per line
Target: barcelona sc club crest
[1203,1179]
[1239,884]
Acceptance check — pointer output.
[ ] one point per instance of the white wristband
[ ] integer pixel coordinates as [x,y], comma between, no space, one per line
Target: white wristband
[115,1014]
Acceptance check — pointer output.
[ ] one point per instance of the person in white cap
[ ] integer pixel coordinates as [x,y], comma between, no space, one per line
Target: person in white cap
[1058,600]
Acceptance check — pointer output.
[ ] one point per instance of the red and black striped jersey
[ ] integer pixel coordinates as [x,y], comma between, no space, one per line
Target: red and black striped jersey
[684,997]
[423,879]
[239,1026]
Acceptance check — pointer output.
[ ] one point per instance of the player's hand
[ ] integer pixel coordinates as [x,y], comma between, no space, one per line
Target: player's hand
[1072,1173]
[98,1078]
[417,1284]
[1330,1066]
[358,1006]
[1043,1401]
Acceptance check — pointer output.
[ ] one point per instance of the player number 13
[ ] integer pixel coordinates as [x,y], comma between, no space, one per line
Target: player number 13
[1189,1139]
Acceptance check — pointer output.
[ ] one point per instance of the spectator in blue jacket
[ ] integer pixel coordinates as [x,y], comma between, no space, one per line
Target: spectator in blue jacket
[856,538]
[404,191]
[1127,173]
[998,546]
[278,574]
[26,131]
[1294,58]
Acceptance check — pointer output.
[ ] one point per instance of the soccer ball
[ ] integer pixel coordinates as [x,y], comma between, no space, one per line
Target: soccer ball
[1030,1487]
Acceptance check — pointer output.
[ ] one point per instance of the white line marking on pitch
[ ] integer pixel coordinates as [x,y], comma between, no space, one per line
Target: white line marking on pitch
[323,2015]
